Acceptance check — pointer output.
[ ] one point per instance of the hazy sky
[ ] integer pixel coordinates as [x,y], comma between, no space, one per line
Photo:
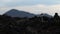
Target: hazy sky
[33,6]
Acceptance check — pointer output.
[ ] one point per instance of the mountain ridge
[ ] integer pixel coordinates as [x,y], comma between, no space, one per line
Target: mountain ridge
[19,13]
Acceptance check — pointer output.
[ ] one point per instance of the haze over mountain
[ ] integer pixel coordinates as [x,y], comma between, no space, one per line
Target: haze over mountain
[17,13]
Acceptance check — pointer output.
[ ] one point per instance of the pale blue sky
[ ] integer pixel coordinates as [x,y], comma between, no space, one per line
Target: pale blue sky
[27,2]
[33,6]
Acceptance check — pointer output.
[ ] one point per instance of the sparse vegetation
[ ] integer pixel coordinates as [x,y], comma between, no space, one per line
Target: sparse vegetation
[34,25]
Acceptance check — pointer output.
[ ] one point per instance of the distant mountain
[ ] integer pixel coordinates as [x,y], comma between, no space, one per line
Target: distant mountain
[17,13]
[44,14]
[21,14]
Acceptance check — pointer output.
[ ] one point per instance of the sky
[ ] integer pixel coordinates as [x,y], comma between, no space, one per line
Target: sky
[32,6]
